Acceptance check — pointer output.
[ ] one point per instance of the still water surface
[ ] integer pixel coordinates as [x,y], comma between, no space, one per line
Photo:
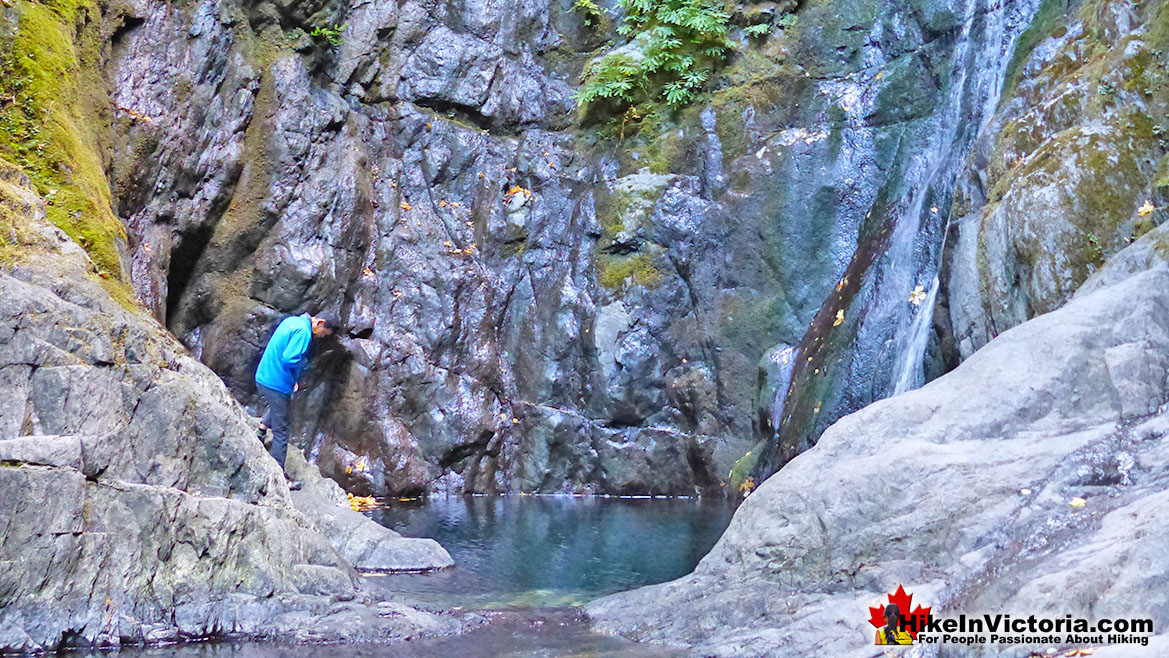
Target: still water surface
[553,550]
[526,561]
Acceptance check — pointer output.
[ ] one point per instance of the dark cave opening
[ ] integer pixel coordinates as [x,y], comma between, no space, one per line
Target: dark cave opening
[183,260]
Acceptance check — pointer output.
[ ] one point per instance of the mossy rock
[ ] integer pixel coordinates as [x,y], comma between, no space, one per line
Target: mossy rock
[620,271]
[741,479]
[50,68]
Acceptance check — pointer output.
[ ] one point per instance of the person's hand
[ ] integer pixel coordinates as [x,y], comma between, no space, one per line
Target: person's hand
[295,387]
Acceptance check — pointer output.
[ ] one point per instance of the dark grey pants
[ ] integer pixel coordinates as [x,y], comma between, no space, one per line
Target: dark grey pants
[279,408]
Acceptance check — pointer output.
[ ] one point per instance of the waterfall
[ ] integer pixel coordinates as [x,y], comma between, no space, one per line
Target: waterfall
[989,77]
[909,373]
[869,337]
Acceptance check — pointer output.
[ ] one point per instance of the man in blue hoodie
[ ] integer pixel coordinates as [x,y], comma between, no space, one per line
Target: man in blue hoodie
[280,368]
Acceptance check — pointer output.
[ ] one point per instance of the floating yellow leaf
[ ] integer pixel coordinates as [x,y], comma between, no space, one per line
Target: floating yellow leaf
[405,205]
[361,503]
[917,296]
[442,204]
[934,209]
[1146,209]
[839,318]
[1078,502]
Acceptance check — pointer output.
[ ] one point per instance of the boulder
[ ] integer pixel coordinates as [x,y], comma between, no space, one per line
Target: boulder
[136,503]
[364,544]
[961,491]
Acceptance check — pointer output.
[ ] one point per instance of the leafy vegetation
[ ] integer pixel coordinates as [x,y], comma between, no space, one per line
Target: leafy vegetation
[674,46]
[331,35]
[592,11]
[757,30]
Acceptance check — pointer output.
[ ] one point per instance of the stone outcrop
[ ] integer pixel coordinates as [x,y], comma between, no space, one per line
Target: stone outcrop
[961,492]
[137,504]
[1073,166]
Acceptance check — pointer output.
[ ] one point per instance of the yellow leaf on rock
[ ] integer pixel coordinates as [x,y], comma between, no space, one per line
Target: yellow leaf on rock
[404,205]
[839,318]
[1078,502]
[1146,209]
[917,296]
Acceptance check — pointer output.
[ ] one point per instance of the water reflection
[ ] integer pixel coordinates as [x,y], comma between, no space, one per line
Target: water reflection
[552,550]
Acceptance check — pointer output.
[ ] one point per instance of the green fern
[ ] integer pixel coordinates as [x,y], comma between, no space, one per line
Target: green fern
[674,44]
[757,30]
[330,34]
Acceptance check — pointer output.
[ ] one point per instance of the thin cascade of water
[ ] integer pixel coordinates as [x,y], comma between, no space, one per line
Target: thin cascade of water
[909,372]
[986,85]
[885,300]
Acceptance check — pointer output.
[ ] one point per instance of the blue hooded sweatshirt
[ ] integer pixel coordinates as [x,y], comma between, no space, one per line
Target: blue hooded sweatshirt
[284,357]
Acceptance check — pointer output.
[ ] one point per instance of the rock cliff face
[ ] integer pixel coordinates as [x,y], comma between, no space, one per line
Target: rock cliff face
[538,302]
[1071,168]
[136,503]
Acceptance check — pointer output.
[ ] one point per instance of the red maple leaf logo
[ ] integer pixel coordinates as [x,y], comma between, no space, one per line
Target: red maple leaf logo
[902,600]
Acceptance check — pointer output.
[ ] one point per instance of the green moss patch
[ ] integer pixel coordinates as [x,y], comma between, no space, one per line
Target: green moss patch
[52,100]
[619,271]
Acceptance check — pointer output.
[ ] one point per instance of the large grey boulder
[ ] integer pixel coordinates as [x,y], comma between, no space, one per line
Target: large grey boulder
[136,504]
[959,491]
